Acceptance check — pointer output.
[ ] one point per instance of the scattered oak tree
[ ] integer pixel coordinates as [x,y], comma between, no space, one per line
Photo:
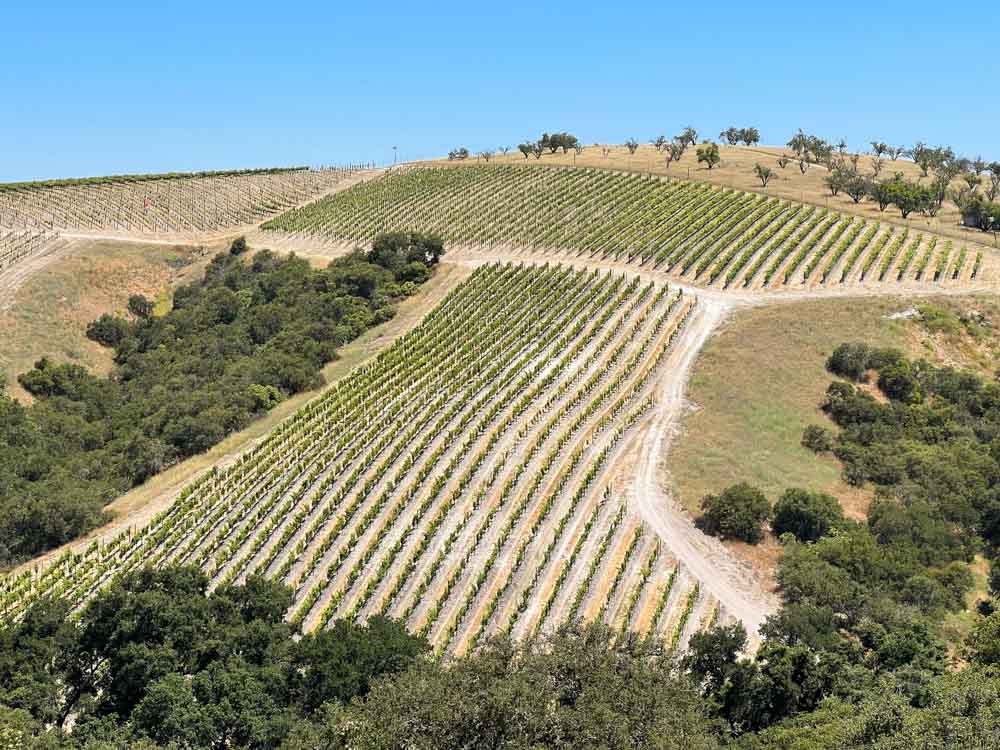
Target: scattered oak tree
[709,155]
[730,136]
[764,174]
[807,515]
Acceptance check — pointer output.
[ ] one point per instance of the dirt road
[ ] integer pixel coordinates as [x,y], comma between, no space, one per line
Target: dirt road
[729,580]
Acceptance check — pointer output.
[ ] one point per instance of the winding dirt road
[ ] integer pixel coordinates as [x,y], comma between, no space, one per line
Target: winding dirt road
[720,573]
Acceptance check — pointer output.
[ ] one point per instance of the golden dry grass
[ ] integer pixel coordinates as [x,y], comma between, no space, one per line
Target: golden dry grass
[51,310]
[736,170]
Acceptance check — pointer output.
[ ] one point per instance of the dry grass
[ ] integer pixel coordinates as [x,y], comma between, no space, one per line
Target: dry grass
[736,170]
[759,383]
[51,310]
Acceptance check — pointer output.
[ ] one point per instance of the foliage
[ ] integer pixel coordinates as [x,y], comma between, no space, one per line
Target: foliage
[246,336]
[807,515]
[556,141]
[155,658]
[580,688]
[817,439]
[746,136]
[979,212]
[738,512]
[689,136]
[764,174]
[238,246]
[960,710]
[810,148]
[709,155]
[458,154]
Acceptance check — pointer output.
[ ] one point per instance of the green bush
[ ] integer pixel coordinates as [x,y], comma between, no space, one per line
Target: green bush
[817,439]
[738,512]
[807,515]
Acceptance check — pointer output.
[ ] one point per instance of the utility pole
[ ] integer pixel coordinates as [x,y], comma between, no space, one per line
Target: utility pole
[394,155]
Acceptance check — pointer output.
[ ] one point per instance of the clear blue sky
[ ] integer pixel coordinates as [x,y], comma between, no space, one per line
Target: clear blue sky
[97,88]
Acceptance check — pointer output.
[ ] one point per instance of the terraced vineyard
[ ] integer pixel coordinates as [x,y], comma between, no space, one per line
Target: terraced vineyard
[461,481]
[162,203]
[700,233]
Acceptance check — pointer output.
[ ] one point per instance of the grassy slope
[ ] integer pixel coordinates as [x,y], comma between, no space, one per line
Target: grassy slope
[760,381]
[52,309]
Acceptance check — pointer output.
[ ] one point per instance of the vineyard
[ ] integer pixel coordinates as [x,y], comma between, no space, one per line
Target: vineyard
[15,245]
[697,232]
[170,204]
[461,481]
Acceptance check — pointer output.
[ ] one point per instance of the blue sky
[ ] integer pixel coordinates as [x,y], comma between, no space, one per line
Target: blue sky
[98,88]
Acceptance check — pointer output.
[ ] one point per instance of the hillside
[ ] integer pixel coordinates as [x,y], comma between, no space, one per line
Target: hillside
[457,539]
[695,232]
[736,170]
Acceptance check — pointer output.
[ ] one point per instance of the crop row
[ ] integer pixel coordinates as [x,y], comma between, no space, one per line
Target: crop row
[710,235]
[455,481]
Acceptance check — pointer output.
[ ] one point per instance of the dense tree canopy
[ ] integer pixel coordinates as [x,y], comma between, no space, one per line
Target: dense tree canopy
[155,659]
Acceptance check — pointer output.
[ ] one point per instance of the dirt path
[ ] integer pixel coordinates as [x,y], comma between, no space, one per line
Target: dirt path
[730,581]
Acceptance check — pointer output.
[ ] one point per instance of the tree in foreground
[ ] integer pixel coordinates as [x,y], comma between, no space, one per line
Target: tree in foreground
[738,512]
[580,688]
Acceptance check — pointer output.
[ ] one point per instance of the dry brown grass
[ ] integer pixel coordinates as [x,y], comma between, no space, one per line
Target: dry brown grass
[51,310]
[736,170]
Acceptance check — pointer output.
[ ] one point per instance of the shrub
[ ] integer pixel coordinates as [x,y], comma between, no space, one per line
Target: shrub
[817,439]
[239,246]
[985,640]
[807,515]
[108,330]
[849,360]
[140,307]
[737,513]
[898,382]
